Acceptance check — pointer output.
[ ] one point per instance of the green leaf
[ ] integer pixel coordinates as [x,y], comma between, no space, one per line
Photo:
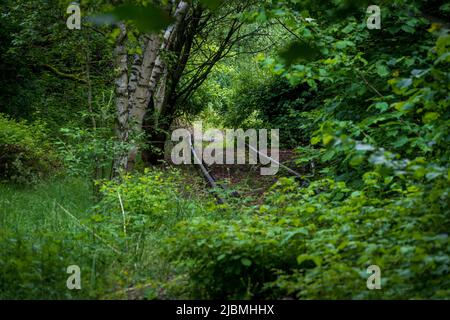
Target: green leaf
[349,28]
[328,155]
[344,44]
[400,142]
[403,106]
[404,83]
[357,160]
[308,260]
[327,138]
[299,231]
[364,147]
[221,257]
[382,106]
[382,70]
[212,4]
[408,29]
[315,140]
[430,117]
[147,19]
[246,262]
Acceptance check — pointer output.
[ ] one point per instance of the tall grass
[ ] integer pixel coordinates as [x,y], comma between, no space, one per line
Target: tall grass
[38,240]
[37,208]
[47,227]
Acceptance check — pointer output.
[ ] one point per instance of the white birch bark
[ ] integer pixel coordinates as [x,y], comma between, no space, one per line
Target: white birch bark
[121,69]
[169,35]
[134,93]
[140,98]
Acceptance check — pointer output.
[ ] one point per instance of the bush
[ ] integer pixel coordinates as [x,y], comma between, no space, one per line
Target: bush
[25,152]
[151,199]
[230,259]
[316,243]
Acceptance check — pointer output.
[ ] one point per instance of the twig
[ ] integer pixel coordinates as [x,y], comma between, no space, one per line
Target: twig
[289,30]
[63,74]
[370,86]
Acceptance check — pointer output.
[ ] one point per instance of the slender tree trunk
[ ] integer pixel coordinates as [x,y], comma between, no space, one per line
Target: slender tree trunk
[135,92]
[121,67]
[141,96]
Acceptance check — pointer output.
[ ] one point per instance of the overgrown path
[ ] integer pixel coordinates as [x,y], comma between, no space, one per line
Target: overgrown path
[245,180]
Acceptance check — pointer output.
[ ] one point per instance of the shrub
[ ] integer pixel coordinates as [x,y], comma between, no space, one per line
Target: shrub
[151,204]
[151,198]
[231,259]
[25,152]
[317,242]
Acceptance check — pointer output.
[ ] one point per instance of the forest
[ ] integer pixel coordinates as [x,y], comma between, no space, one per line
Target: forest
[348,101]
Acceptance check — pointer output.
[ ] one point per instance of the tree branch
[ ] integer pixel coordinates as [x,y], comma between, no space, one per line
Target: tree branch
[63,74]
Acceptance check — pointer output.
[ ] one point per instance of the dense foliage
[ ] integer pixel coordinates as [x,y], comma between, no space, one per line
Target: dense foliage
[25,153]
[365,113]
[317,243]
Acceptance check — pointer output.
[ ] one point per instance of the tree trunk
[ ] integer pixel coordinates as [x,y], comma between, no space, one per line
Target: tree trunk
[121,66]
[134,92]
[141,96]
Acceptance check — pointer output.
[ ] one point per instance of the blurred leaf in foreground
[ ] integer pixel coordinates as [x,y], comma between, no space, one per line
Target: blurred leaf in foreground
[212,4]
[146,19]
